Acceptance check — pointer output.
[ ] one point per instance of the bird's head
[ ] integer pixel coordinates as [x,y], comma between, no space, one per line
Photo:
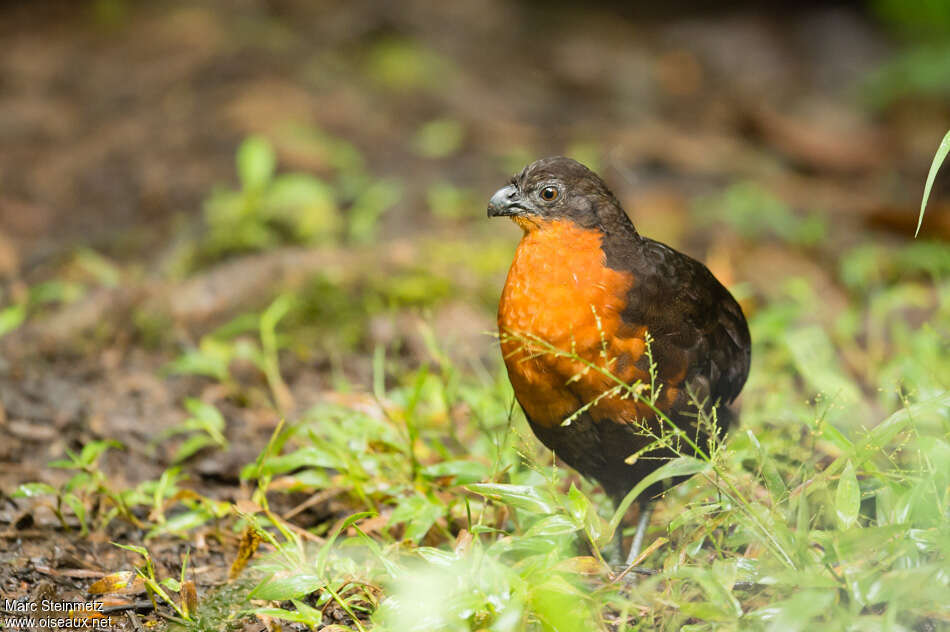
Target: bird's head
[557,189]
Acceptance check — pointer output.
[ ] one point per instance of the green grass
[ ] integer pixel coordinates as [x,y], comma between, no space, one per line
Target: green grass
[827,507]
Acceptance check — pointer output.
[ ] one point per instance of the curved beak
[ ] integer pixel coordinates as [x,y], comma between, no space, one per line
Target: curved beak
[505,202]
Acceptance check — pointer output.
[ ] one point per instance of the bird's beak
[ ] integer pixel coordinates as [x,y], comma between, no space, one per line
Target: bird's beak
[505,202]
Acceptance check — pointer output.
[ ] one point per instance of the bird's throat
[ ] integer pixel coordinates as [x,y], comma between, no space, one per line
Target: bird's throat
[560,298]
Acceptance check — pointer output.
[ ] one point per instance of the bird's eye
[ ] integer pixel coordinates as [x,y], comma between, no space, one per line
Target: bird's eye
[549,194]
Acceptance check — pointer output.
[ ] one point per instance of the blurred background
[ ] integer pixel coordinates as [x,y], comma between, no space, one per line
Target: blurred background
[175,174]
[168,166]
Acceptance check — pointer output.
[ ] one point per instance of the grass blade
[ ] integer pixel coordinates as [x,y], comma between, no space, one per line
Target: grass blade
[939,157]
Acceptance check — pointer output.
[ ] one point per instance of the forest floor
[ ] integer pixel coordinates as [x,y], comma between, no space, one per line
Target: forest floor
[172,291]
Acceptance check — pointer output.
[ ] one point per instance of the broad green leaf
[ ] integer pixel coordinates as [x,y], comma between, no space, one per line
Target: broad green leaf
[182,522]
[584,514]
[78,508]
[191,445]
[311,616]
[94,449]
[171,583]
[419,513]
[557,524]
[561,607]
[463,470]
[141,550]
[206,414]
[524,497]
[30,490]
[853,543]
[210,359]
[847,497]
[939,157]
[12,317]
[311,456]
[287,587]
[796,613]
[255,162]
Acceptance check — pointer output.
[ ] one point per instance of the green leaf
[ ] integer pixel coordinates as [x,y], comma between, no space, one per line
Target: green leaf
[55,291]
[12,317]
[287,587]
[798,612]
[463,470]
[30,490]
[207,416]
[78,508]
[524,497]
[255,162]
[929,411]
[182,522]
[939,157]
[171,583]
[847,497]
[306,204]
[557,524]
[311,456]
[141,550]
[584,515]
[419,513]
[211,359]
[192,445]
[303,614]
[94,449]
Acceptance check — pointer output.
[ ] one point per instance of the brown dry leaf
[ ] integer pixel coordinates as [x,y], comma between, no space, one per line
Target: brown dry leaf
[370,525]
[247,507]
[250,540]
[123,581]
[584,565]
[189,597]
[643,555]
[79,573]
[463,542]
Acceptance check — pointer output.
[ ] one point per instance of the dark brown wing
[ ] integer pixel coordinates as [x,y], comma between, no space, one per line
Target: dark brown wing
[701,337]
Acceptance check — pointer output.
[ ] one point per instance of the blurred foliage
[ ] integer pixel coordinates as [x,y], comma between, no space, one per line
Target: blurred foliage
[268,210]
[921,70]
[448,201]
[754,212]
[272,209]
[438,138]
[922,67]
[917,20]
[403,64]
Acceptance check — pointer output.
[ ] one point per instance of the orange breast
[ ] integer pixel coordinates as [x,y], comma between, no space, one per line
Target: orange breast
[561,300]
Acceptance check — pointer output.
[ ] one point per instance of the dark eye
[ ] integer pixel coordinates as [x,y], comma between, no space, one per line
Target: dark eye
[549,194]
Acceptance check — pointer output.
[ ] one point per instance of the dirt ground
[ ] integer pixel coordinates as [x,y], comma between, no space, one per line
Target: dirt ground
[118,118]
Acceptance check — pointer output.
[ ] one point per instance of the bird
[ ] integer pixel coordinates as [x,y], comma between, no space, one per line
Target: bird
[608,336]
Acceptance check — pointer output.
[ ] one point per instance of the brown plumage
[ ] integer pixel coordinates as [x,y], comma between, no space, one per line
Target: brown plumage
[582,296]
